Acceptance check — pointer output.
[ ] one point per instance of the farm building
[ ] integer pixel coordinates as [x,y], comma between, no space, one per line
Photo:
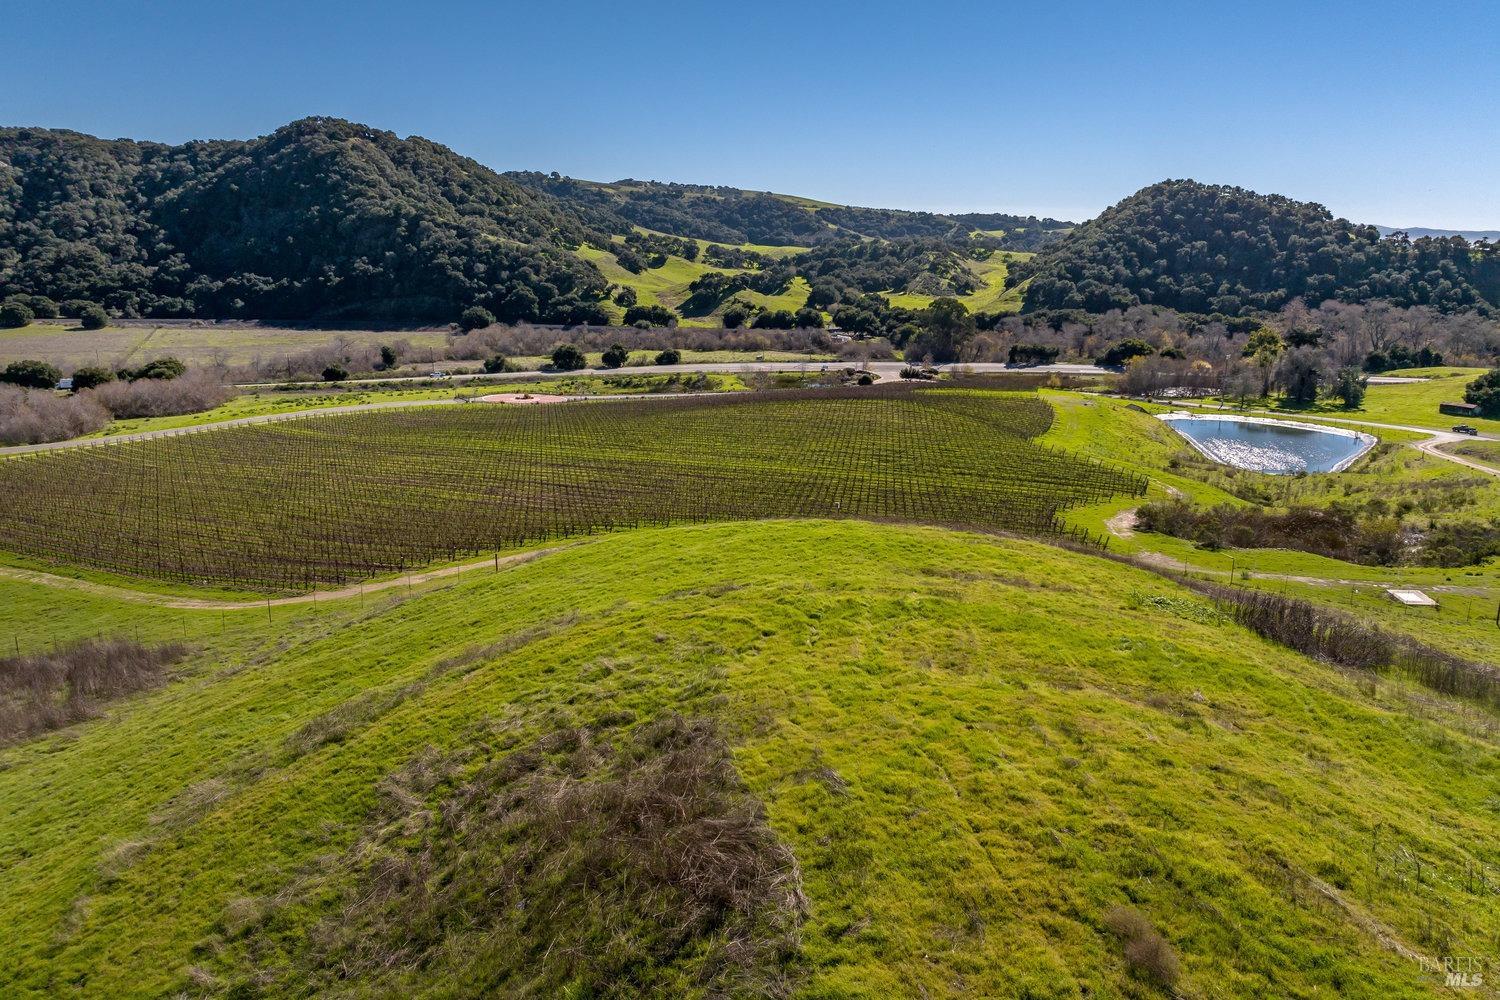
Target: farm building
[1459,409]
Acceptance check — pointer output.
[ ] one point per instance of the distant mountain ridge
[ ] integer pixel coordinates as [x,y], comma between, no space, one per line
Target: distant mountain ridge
[1420,232]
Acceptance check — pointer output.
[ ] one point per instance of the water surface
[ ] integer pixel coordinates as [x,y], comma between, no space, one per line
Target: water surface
[1272,446]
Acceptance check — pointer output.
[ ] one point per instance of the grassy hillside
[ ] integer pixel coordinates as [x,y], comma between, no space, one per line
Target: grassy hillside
[967,752]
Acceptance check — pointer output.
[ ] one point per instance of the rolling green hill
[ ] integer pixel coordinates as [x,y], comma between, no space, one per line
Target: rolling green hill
[914,762]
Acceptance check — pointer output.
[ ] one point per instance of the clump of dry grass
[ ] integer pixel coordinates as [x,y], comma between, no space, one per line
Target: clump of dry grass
[1147,953]
[638,865]
[45,691]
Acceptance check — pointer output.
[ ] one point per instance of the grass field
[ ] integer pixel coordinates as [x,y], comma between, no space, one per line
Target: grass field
[974,748]
[1412,403]
[347,496]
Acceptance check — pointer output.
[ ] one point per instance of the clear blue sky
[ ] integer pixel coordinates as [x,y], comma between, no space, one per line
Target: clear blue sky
[1385,112]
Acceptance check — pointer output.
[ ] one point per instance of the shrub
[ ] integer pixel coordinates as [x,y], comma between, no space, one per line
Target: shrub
[735,316]
[808,319]
[653,315]
[29,417]
[335,373]
[15,314]
[567,358]
[866,379]
[774,319]
[1147,953]
[47,691]
[625,297]
[93,317]
[40,306]
[91,377]
[388,356]
[1032,354]
[670,356]
[1349,386]
[616,356]
[162,368]
[494,364]
[1121,353]
[31,374]
[161,397]
[475,318]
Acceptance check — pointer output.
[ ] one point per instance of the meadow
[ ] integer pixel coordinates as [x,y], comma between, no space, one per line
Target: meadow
[971,751]
[1414,404]
[328,499]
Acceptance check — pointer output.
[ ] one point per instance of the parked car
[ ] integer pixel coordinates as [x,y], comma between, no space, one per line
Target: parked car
[1465,429]
[437,375]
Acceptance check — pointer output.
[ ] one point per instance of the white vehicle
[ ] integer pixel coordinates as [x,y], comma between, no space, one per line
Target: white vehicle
[438,375]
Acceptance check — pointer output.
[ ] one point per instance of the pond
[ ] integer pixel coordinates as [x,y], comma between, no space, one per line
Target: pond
[1277,447]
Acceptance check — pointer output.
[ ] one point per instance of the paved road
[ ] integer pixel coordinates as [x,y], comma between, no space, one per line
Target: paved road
[888,369]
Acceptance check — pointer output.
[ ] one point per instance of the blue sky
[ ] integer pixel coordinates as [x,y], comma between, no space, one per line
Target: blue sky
[1384,112]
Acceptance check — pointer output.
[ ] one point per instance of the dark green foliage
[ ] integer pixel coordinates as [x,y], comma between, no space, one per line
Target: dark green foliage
[730,215]
[946,328]
[1213,249]
[735,316]
[494,364]
[15,313]
[808,319]
[774,319]
[1349,386]
[567,358]
[475,318]
[615,356]
[1032,354]
[1124,352]
[335,373]
[652,315]
[1401,356]
[93,317]
[388,356]
[1484,392]
[625,297]
[161,368]
[670,356]
[31,374]
[322,218]
[91,376]
[1301,376]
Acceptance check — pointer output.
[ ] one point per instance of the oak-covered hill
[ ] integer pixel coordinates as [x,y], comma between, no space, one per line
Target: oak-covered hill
[1212,248]
[733,215]
[320,219]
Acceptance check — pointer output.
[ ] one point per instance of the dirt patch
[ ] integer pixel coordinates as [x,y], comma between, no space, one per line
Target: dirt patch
[1122,525]
[523,398]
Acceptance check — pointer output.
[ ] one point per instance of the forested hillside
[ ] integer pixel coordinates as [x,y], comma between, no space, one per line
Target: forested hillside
[731,215]
[321,219]
[1215,249]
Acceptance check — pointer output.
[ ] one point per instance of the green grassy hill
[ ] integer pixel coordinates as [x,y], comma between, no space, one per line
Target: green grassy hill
[910,762]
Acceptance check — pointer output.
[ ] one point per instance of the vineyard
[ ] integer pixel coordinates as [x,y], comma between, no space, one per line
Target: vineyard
[338,498]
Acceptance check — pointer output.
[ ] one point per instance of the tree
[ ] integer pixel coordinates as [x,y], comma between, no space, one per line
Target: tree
[946,328]
[735,316]
[14,314]
[388,356]
[808,319]
[335,373]
[1349,385]
[1125,351]
[567,358]
[625,297]
[93,317]
[653,315]
[1300,375]
[494,364]
[1484,392]
[31,375]
[774,319]
[670,356]
[1264,349]
[91,377]
[43,307]
[161,368]
[475,318]
[616,356]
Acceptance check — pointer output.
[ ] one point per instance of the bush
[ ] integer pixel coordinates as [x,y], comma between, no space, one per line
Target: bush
[1147,953]
[1484,392]
[494,364]
[735,316]
[31,375]
[774,319]
[91,377]
[1349,386]
[616,356]
[388,356]
[335,373]
[567,358]
[161,397]
[15,314]
[46,691]
[808,319]
[625,297]
[162,368]
[30,417]
[670,356]
[652,315]
[866,379]
[40,306]
[475,318]
[1121,353]
[93,317]
[1032,354]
